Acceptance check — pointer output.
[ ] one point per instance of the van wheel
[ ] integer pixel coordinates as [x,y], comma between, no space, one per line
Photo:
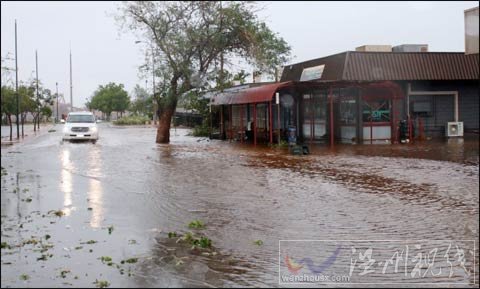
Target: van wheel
[94,141]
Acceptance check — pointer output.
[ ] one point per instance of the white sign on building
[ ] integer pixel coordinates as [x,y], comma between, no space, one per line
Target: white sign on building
[311,73]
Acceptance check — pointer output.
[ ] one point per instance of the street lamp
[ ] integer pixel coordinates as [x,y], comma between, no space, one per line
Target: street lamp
[16,82]
[153,81]
[56,83]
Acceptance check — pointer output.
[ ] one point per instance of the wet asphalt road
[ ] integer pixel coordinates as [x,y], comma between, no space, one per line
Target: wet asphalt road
[119,198]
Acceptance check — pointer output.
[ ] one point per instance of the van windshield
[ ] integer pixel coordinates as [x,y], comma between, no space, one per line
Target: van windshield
[76,118]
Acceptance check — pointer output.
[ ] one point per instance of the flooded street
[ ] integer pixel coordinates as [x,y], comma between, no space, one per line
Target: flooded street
[64,206]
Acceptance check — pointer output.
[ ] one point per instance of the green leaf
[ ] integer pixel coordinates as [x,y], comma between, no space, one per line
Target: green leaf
[196,225]
[258,242]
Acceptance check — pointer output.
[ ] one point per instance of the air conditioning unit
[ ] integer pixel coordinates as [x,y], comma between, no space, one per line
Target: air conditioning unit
[454,129]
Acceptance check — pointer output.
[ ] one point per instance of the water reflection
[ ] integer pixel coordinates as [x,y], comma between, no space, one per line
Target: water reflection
[66,181]
[95,190]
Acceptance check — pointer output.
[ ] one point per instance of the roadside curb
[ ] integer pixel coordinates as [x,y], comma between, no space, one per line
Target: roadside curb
[33,135]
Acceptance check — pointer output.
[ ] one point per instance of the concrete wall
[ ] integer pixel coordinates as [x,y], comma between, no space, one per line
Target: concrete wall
[443,105]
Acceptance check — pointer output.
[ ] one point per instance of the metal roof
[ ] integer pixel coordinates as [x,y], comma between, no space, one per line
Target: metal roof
[379,66]
[333,70]
[244,95]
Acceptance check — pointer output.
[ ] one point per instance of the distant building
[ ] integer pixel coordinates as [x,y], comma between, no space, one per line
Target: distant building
[471,31]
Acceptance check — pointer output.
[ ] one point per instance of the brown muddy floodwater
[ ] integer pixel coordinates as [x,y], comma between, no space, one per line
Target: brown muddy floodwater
[64,206]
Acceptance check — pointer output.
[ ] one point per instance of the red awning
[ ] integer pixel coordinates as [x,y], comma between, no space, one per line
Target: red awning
[256,94]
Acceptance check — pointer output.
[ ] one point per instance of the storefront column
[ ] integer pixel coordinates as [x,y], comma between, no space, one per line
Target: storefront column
[241,122]
[270,117]
[222,128]
[332,133]
[311,102]
[392,119]
[230,125]
[359,117]
[254,126]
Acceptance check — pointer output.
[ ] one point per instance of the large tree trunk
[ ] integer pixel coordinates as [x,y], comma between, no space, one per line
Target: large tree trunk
[166,110]
[163,130]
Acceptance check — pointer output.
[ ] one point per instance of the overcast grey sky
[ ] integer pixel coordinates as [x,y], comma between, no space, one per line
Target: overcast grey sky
[313,29]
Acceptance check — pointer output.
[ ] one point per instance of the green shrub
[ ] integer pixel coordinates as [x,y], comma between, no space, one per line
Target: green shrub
[131,120]
[201,131]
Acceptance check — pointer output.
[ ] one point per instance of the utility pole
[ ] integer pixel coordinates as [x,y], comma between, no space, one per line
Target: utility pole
[56,119]
[153,98]
[16,81]
[38,98]
[71,86]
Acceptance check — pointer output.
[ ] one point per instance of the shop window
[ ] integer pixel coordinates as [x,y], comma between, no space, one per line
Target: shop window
[348,111]
[376,110]
[261,116]
[236,110]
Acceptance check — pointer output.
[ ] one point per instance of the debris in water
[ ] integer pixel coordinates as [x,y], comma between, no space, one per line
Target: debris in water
[63,274]
[31,241]
[202,242]
[44,257]
[5,245]
[58,213]
[131,260]
[258,242]
[106,259]
[89,242]
[101,283]
[196,224]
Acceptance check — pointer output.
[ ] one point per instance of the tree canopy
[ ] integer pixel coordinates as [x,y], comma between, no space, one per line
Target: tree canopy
[142,103]
[191,40]
[8,100]
[108,98]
